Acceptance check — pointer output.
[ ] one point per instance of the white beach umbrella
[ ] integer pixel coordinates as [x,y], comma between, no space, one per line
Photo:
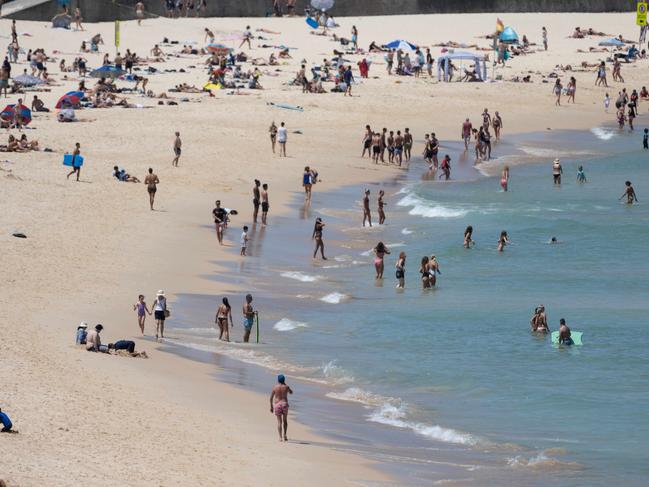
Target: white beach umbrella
[322,4]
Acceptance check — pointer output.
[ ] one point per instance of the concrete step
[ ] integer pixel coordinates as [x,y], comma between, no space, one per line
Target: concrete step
[15,6]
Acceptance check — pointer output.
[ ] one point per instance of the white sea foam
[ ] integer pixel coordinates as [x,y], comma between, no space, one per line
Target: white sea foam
[406,231]
[393,412]
[299,276]
[196,331]
[334,373]
[287,325]
[542,461]
[429,209]
[333,298]
[602,134]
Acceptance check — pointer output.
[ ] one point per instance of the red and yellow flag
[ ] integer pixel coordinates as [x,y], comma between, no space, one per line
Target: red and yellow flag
[499,26]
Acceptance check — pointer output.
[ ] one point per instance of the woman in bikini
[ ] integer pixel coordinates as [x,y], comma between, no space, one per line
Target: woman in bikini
[317,236]
[504,178]
[379,251]
[223,314]
[423,270]
[503,241]
[142,309]
[433,270]
[381,205]
[468,233]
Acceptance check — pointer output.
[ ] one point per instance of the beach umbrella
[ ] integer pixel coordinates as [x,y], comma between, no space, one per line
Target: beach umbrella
[401,44]
[28,80]
[322,4]
[612,42]
[71,99]
[61,21]
[78,94]
[218,49]
[107,71]
[9,112]
[508,36]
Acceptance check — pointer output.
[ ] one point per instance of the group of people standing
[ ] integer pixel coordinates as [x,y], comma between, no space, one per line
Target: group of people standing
[397,145]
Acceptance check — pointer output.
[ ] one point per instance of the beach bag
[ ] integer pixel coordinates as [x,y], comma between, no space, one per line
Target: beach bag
[167,313]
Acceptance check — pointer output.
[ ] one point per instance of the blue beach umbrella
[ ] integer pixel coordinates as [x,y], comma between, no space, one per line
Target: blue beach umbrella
[508,36]
[612,42]
[401,44]
[107,71]
[8,113]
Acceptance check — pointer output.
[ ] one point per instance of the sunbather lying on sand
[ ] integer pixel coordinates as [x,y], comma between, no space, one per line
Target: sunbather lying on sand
[456,45]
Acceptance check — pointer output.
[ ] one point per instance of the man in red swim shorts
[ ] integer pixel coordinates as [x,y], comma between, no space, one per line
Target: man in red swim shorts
[279,405]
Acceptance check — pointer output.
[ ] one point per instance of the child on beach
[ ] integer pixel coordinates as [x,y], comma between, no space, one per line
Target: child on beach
[244,241]
[581,177]
[401,270]
[142,309]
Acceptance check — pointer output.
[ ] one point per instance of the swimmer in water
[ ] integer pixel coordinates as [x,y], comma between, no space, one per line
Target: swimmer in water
[433,270]
[538,323]
[380,250]
[423,270]
[467,237]
[503,240]
[629,192]
[564,333]
[581,177]
[554,240]
[504,178]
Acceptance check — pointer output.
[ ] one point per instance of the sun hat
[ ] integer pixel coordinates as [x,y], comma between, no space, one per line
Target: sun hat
[160,293]
[83,324]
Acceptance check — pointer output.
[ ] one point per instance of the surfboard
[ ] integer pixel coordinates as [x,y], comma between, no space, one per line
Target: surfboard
[313,23]
[575,335]
[67,160]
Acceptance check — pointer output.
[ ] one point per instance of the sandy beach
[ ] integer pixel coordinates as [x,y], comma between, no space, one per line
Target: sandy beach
[93,246]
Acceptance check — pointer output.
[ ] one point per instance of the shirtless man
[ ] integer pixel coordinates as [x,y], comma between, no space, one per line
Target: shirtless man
[466,133]
[367,215]
[367,142]
[177,149]
[249,315]
[407,144]
[151,180]
[398,148]
[256,200]
[434,148]
[629,192]
[279,405]
[564,333]
[156,51]
[264,203]
[75,167]
[209,36]
[383,144]
[486,119]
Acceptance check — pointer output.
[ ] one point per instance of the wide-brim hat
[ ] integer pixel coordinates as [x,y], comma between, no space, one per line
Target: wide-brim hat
[160,293]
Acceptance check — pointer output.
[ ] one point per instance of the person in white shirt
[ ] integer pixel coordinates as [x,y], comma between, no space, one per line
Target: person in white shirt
[281,139]
[160,313]
[247,35]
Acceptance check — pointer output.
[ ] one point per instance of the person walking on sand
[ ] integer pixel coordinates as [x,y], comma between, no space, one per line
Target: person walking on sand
[279,405]
[348,78]
[367,214]
[601,75]
[381,204]
[572,89]
[220,220]
[497,124]
[247,36]
[355,37]
[544,36]
[223,313]
[503,241]
[151,180]
[139,12]
[160,313]
[629,192]
[468,234]
[557,171]
[264,203]
[558,87]
[78,18]
[504,178]
[401,270]
[380,251]
[256,200]
[142,309]
[317,236]
[607,102]
[307,183]
[178,144]
[76,168]
[273,135]
[249,315]
[282,135]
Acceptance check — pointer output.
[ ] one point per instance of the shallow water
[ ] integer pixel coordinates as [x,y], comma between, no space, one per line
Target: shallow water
[453,376]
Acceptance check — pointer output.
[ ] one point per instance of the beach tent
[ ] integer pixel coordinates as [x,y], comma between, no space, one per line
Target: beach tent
[508,36]
[612,42]
[401,44]
[322,4]
[61,21]
[218,49]
[478,59]
[28,80]
[107,72]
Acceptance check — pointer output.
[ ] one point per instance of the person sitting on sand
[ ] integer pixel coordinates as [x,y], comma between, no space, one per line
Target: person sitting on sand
[374,47]
[82,333]
[93,341]
[156,52]
[6,423]
[27,145]
[122,175]
[577,34]
[272,60]
[13,145]
[38,105]
[284,54]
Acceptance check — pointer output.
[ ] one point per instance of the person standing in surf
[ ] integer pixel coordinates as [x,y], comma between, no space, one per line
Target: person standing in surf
[564,333]
[265,205]
[249,315]
[379,251]
[317,236]
[503,241]
[367,214]
[466,133]
[407,144]
[279,405]
[629,192]
[468,233]
[256,200]
[423,270]
[557,171]
[401,270]
[160,313]
[433,271]
[223,313]
[504,178]
[581,176]
[381,204]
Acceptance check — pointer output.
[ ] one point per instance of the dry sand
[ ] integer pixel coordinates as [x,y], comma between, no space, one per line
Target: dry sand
[93,246]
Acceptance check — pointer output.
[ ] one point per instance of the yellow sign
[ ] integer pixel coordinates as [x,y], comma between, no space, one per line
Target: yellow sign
[117,33]
[641,17]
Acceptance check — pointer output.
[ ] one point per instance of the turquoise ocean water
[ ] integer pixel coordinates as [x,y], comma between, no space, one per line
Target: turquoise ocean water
[451,381]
